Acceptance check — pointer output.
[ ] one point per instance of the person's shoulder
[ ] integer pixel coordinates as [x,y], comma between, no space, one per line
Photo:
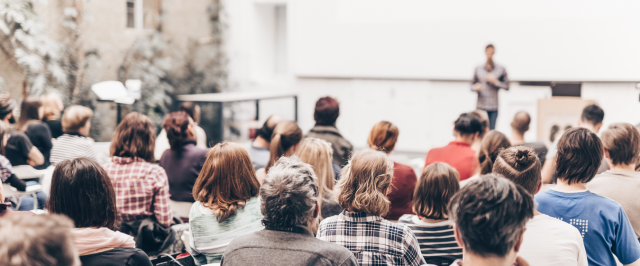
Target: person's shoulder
[15,134]
[137,257]
[243,240]
[402,167]
[336,253]
[330,220]
[406,219]
[604,202]
[546,223]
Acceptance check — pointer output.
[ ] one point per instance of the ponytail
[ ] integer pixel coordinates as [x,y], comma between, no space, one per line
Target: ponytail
[286,134]
[492,144]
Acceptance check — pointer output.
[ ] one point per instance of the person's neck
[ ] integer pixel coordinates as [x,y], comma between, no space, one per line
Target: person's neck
[517,138]
[564,186]
[432,221]
[259,142]
[467,140]
[536,212]
[589,126]
[471,259]
[623,167]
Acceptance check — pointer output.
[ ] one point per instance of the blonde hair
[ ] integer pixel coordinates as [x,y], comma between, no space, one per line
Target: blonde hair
[52,106]
[75,117]
[364,183]
[285,135]
[319,154]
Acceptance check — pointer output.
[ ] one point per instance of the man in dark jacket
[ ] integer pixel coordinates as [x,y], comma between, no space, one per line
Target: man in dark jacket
[326,114]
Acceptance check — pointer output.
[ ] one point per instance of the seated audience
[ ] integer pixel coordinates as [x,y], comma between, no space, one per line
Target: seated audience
[37,240]
[193,110]
[431,224]
[19,149]
[360,227]
[326,113]
[490,215]
[602,222]
[52,107]
[492,144]
[184,160]
[284,142]
[484,120]
[74,143]
[31,124]
[81,190]
[520,126]
[458,154]
[290,200]
[547,241]
[383,137]
[227,203]
[621,143]
[259,148]
[318,154]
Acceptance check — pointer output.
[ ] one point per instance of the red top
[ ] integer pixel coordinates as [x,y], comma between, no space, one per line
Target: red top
[457,154]
[402,186]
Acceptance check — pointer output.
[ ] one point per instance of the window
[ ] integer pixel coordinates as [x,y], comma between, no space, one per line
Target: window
[131,14]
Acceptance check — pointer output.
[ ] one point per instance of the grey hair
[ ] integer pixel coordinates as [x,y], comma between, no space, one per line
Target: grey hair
[289,193]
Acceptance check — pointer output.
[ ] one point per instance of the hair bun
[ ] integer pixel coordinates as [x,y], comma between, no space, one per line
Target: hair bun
[522,156]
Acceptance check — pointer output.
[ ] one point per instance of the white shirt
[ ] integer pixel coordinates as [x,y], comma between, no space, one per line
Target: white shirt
[551,242]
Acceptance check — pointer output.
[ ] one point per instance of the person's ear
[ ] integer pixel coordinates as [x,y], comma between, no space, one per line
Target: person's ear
[579,123]
[539,188]
[316,212]
[456,235]
[294,148]
[606,154]
[516,247]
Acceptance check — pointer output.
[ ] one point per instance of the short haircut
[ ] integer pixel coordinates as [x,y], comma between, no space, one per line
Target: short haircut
[489,46]
[468,124]
[490,214]
[190,108]
[579,156]
[364,182]
[483,116]
[6,105]
[29,112]
[327,111]
[37,240]
[75,117]
[438,183]
[289,193]
[622,141]
[52,106]
[492,144]
[592,114]
[521,122]
[176,125]
[383,136]
[135,138]
[521,165]
[227,178]
[286,134]
[82,190]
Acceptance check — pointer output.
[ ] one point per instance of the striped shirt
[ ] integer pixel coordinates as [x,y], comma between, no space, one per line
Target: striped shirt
[437,242]
[71,146]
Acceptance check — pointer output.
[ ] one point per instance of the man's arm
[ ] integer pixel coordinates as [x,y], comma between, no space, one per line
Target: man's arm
[475,83]
[35,157]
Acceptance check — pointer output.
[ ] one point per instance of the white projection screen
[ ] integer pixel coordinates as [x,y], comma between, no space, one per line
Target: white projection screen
[589,40]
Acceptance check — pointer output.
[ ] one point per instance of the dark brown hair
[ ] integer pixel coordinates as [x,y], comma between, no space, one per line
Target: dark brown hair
[364,183]
[327,111]
[438,183]
[190,108]
[29,112]
[492,144]
[579,156]
[4,130]
[82,190]
[484,120]
[622,141]
[468,124]
[134,137]
[521,165]
[285,135]
[227,180]
[592,114]
[383,136]
[176,125]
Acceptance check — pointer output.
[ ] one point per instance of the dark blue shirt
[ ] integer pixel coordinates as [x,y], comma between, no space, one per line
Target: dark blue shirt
[183,167]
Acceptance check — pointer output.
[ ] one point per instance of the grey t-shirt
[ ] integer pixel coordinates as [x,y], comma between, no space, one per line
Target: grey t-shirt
[622,187]
[259,156]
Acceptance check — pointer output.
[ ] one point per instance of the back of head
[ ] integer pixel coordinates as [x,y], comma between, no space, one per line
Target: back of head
[266,131]
[383,136]
[52,106]
[29,111]
[289,193]
[176,125]
[521,122]
[484,120]
[75,117]
[521,165]
[4,131]
[492,144]
[41,240]
[319,154]
[468,124]
[327,111]
[134,137]
[592,114]
[189,108]
[490,214]
[364,182]
[579,155]
[6,105]
[285,135]
[622,141]
[226,179]
[82,190]
[438,183]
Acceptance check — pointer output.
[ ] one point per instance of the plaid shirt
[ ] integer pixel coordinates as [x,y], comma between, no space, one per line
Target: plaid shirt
[374,240]
[141,189]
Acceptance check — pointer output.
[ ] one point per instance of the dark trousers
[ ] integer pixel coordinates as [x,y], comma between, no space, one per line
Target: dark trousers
[493,116]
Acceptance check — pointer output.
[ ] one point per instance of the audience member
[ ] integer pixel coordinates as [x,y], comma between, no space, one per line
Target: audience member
[318,154]
[19,149]
[290,199]
[602,222]
[52,107]
[490,215]
[484,120]
[31,124]
[184,160]
[547,241]
[383,137]
[284,142]
[193,110]
[458,153]
[520,126]
[591,119]
[431,224]
[259,148]
[326,113]
[491,146]
[81,190]
[621,143]
[227,203]
[360,227]
[37,240]
[74,143]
